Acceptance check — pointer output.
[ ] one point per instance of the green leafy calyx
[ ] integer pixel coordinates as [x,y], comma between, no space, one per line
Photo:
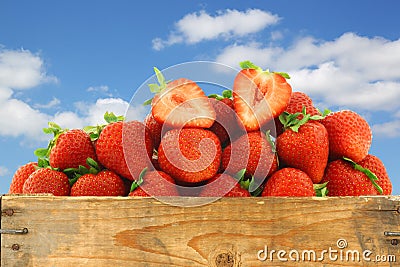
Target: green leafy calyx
[250,65]
[291,120]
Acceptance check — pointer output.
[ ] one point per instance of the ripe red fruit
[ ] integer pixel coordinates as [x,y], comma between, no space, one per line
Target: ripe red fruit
[190,155]
[345,178]
[289,182]
[307,149]
[46,180]
[71,149]
[125,148]
[300,100]
[154,183]
[104,183]
[259,96]
[253,152]
[349,135]
[375,165]
[155,129]
[223,185]
[226,125]
[180,103]
[20,176]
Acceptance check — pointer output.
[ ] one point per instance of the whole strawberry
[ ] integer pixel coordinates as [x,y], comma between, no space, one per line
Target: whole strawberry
[190,155]
[68,148]
[104,183]
[253,152]
[46,180]
[20,176]
[303,146]
[347,178]
[223,185]
[226,125]
[298,101]
[155,129]
[349,135]
[125,148]
[154,183]
[289,182]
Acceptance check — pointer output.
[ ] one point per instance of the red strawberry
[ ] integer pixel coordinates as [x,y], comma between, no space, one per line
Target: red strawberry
[223,185]
[155,129]
[305,147]
[180,103]
[226,125]
[346,178]
[125,148]
[46,180]
[154,183]
[298,101]
[104,183]
[349,135]
[289,182]
[253,152]
[190,155]
[71,149]
[259,96]
[20,176]
[375,165]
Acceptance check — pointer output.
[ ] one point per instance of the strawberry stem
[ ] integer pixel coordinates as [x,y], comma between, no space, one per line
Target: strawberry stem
[250,65]
[291,121]
[371,176]
[321,190]
[138,182]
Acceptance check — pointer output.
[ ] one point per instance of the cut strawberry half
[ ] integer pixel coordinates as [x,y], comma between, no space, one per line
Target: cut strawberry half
[259,96]
[181,103]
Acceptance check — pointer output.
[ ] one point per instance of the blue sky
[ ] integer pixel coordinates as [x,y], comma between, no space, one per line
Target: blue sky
[69,61]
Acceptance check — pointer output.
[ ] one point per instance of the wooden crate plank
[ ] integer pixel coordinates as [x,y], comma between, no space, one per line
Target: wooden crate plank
[87,231]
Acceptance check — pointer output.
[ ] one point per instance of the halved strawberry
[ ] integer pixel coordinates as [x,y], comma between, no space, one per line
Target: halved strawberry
[259,96]
[180,103]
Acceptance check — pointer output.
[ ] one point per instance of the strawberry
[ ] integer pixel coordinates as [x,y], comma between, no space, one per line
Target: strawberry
[226,125]
[304,145]
[47,180]
[68,148]
[223,185]
[180,103]
[104,183]
[154,183]
[20,176]
[155,129]
[347,178]
[349,135]
[289,182]
[190,155]
[298,101]
[252,151]
[125,148]
[259,96]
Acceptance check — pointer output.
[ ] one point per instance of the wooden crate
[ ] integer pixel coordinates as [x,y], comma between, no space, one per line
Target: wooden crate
[121,231]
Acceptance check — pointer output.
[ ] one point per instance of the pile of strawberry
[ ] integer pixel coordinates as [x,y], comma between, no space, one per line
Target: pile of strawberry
[259,138]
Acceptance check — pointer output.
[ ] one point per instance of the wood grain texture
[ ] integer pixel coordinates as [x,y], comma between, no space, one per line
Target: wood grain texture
[88,231]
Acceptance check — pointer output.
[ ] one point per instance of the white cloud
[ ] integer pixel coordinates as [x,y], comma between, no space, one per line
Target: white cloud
[4,171]
[199,26]
[387,129]
[351,71]
[52,103]
[21,69]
